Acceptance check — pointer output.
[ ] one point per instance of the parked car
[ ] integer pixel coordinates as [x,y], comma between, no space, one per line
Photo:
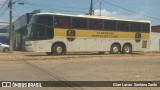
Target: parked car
[4,47]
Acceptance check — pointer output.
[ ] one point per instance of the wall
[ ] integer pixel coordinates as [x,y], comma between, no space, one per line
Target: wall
[20,27]
[4,36]
[155,41]
[156,28]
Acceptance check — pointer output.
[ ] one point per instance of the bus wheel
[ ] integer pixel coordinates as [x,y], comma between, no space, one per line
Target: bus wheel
[101,53]
[115,49]
[58,49]
[127,49]
[49,53]
[6,50]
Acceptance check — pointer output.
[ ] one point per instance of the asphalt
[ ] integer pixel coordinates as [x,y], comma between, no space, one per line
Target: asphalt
[39,67]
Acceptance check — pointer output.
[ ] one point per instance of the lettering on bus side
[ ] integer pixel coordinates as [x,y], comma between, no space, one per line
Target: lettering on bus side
[138,37]
[71,35]
[105,35]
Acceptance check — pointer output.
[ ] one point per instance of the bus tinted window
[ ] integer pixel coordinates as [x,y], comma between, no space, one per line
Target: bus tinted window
[145,27]
[62,22]
[43,27]
[95,24]
[110,25]
[135,27]
[80,23]
[45,20]
[123,26]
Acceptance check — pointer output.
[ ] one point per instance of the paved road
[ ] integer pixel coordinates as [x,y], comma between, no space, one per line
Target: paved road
[82,68]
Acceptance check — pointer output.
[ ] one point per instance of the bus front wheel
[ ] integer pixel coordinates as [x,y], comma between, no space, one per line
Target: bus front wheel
[58,49]
[115,49]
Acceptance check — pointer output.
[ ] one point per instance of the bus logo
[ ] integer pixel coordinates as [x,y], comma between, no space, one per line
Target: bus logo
[71,35]
[138,37]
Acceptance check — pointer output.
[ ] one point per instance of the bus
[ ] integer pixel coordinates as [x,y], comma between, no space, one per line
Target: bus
[59,34]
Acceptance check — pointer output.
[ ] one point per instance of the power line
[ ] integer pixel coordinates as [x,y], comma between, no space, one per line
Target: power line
[48,7]
[16,1]
[96,2]
[5,8]
[31,3]
[3,12]
[3,5]
[5,2]
[130,10]
[16,11]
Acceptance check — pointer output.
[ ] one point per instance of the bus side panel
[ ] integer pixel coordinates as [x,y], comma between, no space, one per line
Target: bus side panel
[76,45]
[39,46]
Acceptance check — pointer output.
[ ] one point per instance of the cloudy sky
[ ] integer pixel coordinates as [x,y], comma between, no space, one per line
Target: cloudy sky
[125,9]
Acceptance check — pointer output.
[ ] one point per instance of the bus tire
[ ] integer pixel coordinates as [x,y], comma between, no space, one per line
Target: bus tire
[58,49]
[115,49]
[127,49]
[6,50]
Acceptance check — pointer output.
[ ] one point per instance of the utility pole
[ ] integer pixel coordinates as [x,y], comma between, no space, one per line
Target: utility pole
[91,11]
[100,9]
[10,25]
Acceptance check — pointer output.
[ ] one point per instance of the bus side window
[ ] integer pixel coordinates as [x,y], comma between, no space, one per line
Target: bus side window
[145,27]
[135,27]
[110,25]
[62,22]
[95,24]
[80,23]
[44,27]
[123,26]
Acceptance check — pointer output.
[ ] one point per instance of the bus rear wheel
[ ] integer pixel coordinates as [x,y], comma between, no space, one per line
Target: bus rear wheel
[58,49]
[115,49]
[127,49]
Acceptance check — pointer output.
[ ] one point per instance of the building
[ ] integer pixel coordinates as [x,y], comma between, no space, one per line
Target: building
[4,33]
[155,38]
[156,29]
[20,30]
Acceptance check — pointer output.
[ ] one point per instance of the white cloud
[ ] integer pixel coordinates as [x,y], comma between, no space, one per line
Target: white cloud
[117,14]
[106,13]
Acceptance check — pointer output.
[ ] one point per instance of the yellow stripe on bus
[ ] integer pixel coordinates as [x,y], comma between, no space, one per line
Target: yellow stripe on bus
[99,34]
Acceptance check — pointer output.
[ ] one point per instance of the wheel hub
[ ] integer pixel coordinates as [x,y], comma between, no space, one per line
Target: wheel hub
[59,49]
[115,49]
[127,49]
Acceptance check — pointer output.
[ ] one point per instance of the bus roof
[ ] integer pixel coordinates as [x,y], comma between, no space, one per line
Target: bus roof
[94,17]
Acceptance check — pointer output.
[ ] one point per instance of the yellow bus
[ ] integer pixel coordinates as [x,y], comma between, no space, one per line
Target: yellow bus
[59,34]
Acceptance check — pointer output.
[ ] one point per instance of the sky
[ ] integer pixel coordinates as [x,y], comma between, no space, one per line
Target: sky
[123,9]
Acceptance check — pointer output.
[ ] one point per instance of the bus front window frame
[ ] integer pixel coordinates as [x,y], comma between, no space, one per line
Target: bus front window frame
[41,27]
[30,28]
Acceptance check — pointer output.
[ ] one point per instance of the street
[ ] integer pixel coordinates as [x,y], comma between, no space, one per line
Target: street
[40,67]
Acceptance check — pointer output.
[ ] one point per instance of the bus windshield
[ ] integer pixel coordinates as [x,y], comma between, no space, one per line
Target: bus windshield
[40,28]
